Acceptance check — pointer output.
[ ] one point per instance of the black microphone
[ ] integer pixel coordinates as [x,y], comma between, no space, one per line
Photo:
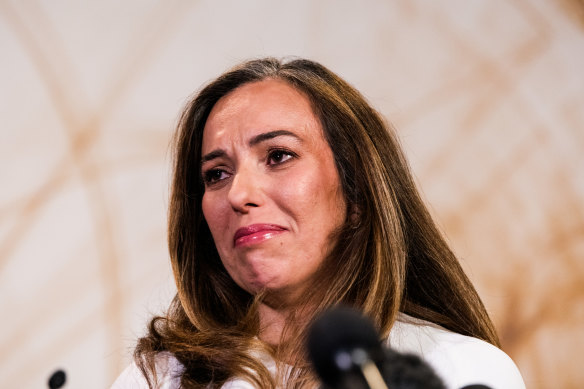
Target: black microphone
[345,351]
[57,379]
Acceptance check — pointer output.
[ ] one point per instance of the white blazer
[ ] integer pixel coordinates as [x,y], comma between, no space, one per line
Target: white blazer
[459,360]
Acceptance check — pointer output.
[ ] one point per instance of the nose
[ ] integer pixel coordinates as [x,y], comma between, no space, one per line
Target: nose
[245,190]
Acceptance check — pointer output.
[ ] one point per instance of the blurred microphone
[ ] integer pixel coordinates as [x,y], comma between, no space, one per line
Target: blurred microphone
[345,352]
[57,379]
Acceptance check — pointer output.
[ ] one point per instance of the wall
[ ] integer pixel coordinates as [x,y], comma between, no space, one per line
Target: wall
[487,97]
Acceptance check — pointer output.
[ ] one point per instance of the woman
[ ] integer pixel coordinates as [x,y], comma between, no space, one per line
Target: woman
[291,195]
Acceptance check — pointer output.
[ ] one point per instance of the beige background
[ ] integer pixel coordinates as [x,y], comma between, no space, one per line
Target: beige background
[488,98]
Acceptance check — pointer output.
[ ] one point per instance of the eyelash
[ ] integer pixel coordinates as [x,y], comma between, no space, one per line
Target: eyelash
[210,176]
[273,152]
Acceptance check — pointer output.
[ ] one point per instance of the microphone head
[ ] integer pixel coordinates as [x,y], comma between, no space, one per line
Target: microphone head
[409,371]
[341,339]
[57,379]
[337,335]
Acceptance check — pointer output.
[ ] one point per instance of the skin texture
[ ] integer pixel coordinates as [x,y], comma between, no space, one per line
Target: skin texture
[284,183]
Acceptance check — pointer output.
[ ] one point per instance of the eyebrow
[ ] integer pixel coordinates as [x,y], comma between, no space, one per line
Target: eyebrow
[252,142]
[212,155]
[270,135]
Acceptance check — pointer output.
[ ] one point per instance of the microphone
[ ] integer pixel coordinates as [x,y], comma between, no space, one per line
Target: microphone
[57,379]
[345,351]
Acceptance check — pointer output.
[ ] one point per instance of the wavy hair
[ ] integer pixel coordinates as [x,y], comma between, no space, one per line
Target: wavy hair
[389,256]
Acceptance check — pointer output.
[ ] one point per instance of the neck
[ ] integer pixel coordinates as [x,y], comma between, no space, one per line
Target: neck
[281,311]
[272,323]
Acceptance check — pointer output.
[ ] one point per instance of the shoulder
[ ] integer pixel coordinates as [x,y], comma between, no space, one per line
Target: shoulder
[459,360]
[168,370]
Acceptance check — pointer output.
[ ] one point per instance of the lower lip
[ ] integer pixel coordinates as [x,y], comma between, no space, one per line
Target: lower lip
[257,237]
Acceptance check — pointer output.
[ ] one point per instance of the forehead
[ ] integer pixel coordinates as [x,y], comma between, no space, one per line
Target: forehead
[258,107]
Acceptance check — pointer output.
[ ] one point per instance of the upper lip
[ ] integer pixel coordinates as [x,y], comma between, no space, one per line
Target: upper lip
[253,228]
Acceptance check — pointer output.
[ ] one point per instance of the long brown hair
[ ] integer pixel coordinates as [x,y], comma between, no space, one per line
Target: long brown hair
[388,257]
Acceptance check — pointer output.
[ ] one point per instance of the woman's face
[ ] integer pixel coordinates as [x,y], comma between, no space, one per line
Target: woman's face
[272,192]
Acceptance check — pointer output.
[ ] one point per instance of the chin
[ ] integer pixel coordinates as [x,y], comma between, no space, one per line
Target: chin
[258,285]
[270,288]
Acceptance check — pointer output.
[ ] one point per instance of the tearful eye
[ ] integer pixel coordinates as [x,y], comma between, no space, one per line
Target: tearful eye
[214,175]
[276,157]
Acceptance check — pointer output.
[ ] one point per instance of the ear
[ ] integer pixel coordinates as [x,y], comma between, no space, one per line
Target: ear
[355,215]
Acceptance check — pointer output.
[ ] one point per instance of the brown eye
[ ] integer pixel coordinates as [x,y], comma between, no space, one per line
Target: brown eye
[214,175]
[276,157]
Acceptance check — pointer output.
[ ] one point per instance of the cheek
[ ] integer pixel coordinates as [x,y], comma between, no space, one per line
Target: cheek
[216,219]
[313,198]
[212,214]
[297,199]
[206,210]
